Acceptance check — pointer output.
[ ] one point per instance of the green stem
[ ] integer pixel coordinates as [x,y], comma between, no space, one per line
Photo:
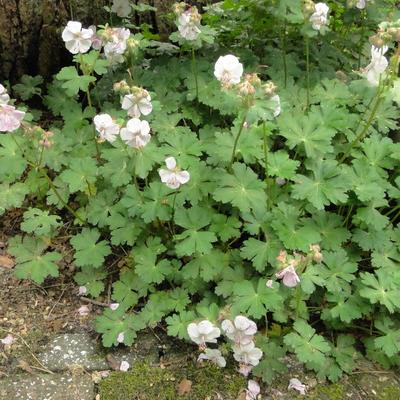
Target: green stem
[265,138]
[392,210]
[237,141]
[361,135]
[194,67]
[284,55]
[396,216]
[308,71]
[43,171]
[89,98]
[348,215]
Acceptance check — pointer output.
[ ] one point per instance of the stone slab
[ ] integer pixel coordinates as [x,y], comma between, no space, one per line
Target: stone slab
[47,387]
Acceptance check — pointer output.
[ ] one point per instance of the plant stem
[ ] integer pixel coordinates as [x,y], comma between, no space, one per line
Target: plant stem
[361,135]
[194,67]
[265,137]
[89,98]
[284,55]
[308,71]
[237,140]
[392,210]
[43,171]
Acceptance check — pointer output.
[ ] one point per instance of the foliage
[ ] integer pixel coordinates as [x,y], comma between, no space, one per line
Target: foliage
[325,171]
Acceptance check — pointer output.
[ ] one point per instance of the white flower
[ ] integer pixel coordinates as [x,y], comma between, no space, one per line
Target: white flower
[4,97]
[121,337]
[269,284]
[83,311]
[136,134]
[116,44]
[320,16]
[247,354]
[8,340]
[277,104]
[377,66]
[77,39]
[138,103]
[114,306]
[361,4]
[295,384]
[289,276]
[241,331]
[203,332]
[97,41]
[228,69]
[214,356]
[107,128]
[10,118]
[253,390]
[124,366]
[189,25]
[173,177]
[121,7]
[82,290]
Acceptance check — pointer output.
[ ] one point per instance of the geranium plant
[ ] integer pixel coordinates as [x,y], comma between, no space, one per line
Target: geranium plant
[244,183]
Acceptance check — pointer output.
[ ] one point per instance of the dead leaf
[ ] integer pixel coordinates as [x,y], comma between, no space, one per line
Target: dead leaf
[6,262]
[185,386]
[113,362]
[242,395]
[25,366]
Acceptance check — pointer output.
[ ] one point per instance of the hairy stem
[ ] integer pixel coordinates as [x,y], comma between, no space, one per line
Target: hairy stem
[308,71]
[265,139]
[237,140]
[194,67]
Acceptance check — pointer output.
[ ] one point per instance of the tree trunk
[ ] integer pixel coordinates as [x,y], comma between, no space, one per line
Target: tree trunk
[30,34]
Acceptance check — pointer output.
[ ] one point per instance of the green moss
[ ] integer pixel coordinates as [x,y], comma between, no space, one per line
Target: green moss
[391,392]
[330,392]
[145,382]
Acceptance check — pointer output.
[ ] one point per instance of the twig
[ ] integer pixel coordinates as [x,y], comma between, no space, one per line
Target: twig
[97,303]
[58,300]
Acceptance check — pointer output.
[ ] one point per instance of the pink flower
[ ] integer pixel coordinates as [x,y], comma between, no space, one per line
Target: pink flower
[8,340]
[289,276]
[241,330]
[82,290]
[10,118]
[173,177]
[295,384]
[124,366]
[83,311]
[253,390]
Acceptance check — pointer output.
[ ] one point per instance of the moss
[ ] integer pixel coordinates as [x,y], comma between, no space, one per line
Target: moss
[330,392]
[391,392]
[145,382]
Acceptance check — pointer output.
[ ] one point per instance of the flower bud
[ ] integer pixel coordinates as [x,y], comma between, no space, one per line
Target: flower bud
[376,40]
[132,43]
[178,8]
[269,88]
[308,8]
[246,89]
[121,87]
[253,79]
[315,250]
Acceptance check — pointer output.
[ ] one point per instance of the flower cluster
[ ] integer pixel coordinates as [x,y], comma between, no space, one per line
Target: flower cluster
[10,117]
[319,18]
[188,21]
[77,39]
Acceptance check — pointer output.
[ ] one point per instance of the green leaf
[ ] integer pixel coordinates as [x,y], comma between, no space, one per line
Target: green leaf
[347,307]
[345,353]
[194,240]
[39,222]
[390,342]
[242,189]
[80,175]
[129,288]
[326,185]
[177,324]
[12,195]
[280,165]
[381,288]
[260,252]
[32,262]
[12,162]
[27,88]
[146,265]
[254,298]
[308,346]
[225,227]
[73,82]
[92,279]
[271,364]
[88,251]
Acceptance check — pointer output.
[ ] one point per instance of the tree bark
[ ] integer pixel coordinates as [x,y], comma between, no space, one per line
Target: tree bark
[30,34]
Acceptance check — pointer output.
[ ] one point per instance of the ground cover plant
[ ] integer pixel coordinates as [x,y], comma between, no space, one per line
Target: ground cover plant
[241,179]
